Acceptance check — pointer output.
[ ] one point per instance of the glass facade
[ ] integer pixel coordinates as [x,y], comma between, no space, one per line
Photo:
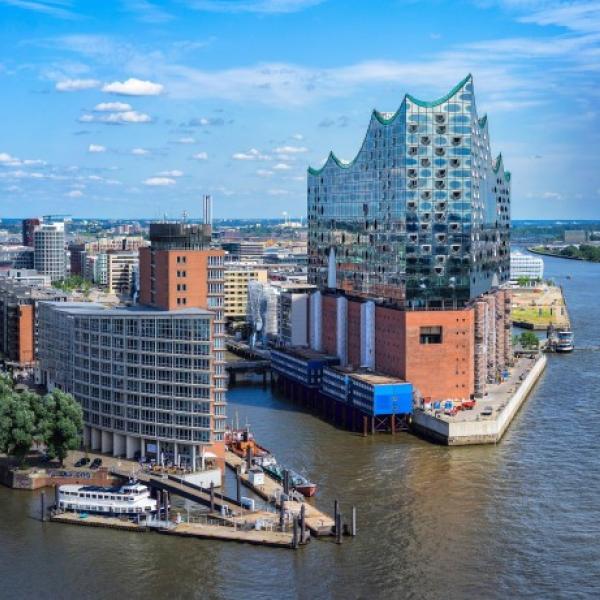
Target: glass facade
[421,215]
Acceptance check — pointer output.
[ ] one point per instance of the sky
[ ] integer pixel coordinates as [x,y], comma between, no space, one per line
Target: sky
[136,108]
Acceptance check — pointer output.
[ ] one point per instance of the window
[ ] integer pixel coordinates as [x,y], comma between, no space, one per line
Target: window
[431,335]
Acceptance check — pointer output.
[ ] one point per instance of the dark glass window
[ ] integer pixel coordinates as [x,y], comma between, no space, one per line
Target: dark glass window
[431,335]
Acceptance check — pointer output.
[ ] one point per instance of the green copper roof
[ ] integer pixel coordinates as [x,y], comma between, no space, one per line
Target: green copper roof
[385,121]
[443,99]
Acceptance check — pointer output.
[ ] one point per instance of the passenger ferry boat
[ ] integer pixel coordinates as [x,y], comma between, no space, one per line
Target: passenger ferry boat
[298,482]
[130,499]
[565,341]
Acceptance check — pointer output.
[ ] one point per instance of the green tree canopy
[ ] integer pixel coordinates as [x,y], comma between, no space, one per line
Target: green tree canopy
[63,424]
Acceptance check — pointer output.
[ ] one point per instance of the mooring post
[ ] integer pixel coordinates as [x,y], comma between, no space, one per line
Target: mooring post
[281,514]
[353,530]
[286,482]
[159,502]
[55,495]
[238,482]
[365,425]
[303,524]
[249,458]
[295,533]
[43,503]
[393,423]
[212,496]
[166,500]
[336,511]
[338,528]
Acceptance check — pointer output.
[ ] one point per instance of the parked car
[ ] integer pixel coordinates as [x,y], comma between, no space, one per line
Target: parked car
[82,461]
[97,462]
[487,411]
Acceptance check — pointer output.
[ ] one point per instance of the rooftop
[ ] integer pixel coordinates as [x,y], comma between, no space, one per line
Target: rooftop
[95,309]
[368,376]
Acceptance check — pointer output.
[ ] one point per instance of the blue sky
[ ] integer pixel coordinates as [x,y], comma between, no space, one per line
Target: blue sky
[135,108]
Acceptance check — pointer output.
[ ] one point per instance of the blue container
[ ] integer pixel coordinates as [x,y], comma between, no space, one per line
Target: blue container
[437,405]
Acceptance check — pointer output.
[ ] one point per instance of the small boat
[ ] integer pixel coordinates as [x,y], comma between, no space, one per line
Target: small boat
[240,440]
[298,482]
[565,341]
[131,499]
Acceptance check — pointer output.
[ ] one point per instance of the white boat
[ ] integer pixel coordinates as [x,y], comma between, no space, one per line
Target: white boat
[565,341]
[130,499]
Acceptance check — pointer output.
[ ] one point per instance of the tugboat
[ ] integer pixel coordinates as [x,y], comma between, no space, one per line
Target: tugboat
[298,482]
[239,440]
[565,341]
[132,499]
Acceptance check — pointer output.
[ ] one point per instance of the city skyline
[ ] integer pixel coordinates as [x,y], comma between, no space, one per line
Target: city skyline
[146,106]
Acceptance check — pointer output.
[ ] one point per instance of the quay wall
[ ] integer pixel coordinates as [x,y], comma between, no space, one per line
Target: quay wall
[489,431]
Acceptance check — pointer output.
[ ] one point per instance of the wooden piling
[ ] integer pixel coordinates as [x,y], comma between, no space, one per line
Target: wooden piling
[303,524]
[336,512]
[353,528]
[212,496]
[43,505]
[365,426]
[338,528]
[238,484]
[295,533]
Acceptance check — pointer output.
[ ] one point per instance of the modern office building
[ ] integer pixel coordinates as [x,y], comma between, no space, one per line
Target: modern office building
[26,277]
[29,226]
[16,257]
[526,265]
[121,267]
[151,377]
[237,278]
[49,250]
[243,251]
[292,313]
[263,312]
[408,245]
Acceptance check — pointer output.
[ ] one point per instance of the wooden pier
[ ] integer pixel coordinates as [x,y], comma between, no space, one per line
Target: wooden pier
[317,522]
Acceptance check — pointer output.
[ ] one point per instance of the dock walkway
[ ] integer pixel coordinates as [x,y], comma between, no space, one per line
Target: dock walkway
[317,521]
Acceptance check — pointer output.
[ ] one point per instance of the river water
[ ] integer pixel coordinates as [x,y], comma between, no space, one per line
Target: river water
[520,519]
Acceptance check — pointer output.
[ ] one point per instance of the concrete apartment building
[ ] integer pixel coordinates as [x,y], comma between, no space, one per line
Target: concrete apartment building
[49,250]
[120,271]
[409,248]
[19,304]
[237,279]
[150,377]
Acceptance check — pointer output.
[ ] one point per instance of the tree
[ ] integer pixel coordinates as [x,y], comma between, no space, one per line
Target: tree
[63,424]
[523,281]
[529,340]
[18,428]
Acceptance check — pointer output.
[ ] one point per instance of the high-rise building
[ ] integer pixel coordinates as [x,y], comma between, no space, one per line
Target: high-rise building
[49,250]
[409,244]
[421,215]
[526,265]
[120,271]
[151,378]
[29,226]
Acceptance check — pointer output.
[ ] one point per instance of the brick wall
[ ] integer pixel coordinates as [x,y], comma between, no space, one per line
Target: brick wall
[329,324]
[443,370]
[390,337]
[354,333]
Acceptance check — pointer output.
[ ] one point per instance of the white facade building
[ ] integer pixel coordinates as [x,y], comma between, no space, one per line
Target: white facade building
[49,250]
[142,376]
[525,265]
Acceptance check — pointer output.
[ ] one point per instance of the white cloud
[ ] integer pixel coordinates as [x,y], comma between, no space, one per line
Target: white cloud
[8,160]
[200,155]
[290,149]
[48,7]
[76,85]
[128,116]
[96,148]
[75,194]
[253,6]
[174,173]
[278,192]
[264,173]
[186,140]
[140,151]
[113,107]
[159,181]
[281,167]
[298,136]
[134,87]
[252,154]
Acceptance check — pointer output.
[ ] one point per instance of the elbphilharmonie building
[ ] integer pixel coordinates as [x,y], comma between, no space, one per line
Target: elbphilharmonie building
[421,216]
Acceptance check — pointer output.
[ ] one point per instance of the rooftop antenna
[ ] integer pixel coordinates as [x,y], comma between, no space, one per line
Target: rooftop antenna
[184,216]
